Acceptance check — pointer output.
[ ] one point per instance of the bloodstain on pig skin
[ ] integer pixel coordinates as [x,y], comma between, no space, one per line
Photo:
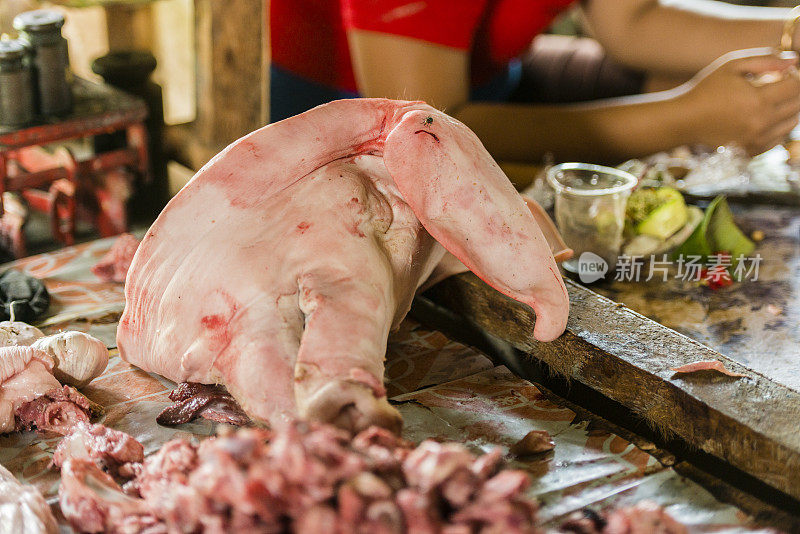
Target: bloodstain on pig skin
[251,147]
[429,133]
[356,231]
[213,322]
[303,226]
[373,146]
[217,326]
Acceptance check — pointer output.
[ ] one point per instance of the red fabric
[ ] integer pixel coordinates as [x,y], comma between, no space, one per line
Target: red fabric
[446,22]
[308,39]
[309,36]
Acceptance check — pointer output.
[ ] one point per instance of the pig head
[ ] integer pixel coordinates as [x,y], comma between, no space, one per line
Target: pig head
[281,267]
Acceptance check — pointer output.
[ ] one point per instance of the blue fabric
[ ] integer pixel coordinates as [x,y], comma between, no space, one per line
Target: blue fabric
[291,94]
[499,88]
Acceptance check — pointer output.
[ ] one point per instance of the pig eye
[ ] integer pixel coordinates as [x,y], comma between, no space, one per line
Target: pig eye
[429,120]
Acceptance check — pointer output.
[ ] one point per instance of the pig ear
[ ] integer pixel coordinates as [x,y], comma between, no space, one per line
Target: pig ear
[467,204]
[561,252]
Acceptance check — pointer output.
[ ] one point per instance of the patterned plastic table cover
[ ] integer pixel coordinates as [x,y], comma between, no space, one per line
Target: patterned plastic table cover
[443,389]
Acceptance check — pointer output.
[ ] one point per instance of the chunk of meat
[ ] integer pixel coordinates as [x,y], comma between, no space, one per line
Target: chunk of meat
[500,505]
[171,465]
[25,374]
[432,464]
[280,268]
[31,397]
[645,517]
[113,267]
[92,502]
[113,451]
[23,509]
[534,442]
[586,521]
[59,410]
[711,365]
[301,478]
[193,400]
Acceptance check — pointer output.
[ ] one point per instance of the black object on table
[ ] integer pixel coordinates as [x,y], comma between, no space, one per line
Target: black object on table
[22,297]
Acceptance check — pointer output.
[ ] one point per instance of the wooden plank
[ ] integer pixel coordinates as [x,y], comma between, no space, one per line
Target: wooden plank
[752,423]
[232,79]
[230,73]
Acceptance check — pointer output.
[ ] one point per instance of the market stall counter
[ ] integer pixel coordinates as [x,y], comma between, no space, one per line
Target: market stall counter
[443,389]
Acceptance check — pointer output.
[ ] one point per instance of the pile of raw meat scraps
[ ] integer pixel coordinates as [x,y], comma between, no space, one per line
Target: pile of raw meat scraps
[304,478]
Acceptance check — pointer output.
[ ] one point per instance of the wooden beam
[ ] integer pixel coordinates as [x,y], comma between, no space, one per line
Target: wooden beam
[129,27]
[231,84]
[752,423]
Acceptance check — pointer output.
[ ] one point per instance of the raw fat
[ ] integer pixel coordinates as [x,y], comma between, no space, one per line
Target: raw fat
[712,365]
[113,267]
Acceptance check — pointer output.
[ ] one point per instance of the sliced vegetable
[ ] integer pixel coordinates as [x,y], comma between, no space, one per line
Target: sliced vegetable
[725,235]
[657,212]
[666,219]
[717,231]
[646,245]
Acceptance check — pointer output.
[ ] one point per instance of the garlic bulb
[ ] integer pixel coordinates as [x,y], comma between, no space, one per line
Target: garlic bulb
[79,357]
[23,509]
[18,333]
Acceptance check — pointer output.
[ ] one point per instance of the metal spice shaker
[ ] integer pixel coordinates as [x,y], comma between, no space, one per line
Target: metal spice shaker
[16,87]
[41,31]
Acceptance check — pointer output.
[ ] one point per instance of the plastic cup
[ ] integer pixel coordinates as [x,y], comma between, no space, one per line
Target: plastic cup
[590,210]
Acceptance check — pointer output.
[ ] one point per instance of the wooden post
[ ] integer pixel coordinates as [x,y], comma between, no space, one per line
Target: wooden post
[129,27]
[231,84]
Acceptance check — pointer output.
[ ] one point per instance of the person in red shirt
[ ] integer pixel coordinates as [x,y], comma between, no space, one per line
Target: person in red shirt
[473,59]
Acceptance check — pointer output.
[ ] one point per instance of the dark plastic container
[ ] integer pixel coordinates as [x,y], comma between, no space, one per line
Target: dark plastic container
[16,85]
[40,30]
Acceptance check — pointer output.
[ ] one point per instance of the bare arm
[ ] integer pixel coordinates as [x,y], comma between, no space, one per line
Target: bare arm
[680,37]
[605,132]
[398,67]
[722,108]
[391,66]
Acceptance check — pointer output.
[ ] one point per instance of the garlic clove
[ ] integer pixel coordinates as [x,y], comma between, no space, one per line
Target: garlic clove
[18,333]
[79,357]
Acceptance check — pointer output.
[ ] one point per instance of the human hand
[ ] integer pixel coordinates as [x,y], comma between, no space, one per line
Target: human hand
[750,98]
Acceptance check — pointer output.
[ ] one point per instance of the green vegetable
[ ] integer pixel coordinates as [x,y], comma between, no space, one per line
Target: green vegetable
[717,233]
[657,212]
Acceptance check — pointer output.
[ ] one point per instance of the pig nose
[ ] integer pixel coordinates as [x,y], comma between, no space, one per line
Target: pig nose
[351,405]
